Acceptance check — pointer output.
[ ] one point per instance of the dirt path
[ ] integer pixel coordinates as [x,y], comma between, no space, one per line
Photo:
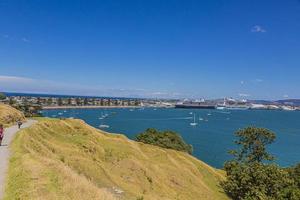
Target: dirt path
[4,152]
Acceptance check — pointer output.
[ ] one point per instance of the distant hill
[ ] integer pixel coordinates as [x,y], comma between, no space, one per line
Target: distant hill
[68,159]
[294,102]
[9,115]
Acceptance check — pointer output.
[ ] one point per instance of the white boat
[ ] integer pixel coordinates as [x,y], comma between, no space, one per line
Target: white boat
[103,126]
[209,114]
[201,119]
[191,113]
[60,113]
[221,107]
[194,123]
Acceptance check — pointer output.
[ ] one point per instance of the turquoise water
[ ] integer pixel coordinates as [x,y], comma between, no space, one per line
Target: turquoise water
[211,138]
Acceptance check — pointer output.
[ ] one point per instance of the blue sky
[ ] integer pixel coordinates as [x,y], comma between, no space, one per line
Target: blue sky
[171,48]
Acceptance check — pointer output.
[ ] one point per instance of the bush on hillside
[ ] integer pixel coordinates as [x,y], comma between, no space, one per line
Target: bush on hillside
[2,96]
[249,176]
[165,139]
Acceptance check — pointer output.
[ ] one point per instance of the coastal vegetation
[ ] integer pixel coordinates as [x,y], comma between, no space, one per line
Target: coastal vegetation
[29,110]
[165,139]
[68,159]
[10,115]
[252,175]
[2,96]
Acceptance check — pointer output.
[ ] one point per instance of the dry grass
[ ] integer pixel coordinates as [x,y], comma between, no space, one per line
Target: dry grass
[9,115]
[67,159]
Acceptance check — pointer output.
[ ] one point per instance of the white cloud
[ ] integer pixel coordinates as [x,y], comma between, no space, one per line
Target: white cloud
[285,96]
[25,39]
[244,95]
[14,79]
[158,93]
[242,82]
[258,80]
[258,29]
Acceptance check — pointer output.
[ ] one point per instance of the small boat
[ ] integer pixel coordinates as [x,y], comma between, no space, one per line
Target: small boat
[191,113]
[201,119]
[65,111]
[194,123]
[208,114]
[103,126]
[131,110]
[60,113]
[221,107]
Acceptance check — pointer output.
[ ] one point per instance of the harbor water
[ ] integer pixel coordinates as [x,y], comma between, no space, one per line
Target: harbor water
[212,137]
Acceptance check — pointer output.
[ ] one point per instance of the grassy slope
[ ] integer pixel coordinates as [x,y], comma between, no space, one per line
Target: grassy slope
[9,115]
[67,159]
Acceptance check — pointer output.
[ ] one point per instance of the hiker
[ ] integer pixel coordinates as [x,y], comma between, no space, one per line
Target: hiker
[19,124]
[1,133]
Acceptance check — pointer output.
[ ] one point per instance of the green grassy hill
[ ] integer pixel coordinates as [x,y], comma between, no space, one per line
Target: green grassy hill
[67,159]
[9,115]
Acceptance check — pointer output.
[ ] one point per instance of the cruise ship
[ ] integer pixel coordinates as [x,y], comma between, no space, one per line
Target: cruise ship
[202,104]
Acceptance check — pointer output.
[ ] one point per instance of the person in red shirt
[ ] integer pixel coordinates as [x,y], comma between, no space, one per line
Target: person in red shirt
[1,133]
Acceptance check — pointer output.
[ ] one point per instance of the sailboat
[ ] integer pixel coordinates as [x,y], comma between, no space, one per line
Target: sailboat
[194,123]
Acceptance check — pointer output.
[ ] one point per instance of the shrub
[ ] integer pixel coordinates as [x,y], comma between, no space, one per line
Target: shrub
[165,139]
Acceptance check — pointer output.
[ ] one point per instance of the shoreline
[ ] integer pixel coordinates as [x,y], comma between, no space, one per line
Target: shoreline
[85,107]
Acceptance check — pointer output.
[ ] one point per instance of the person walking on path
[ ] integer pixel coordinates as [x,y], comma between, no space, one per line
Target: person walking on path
[1,133]
[19,124]
[5,153]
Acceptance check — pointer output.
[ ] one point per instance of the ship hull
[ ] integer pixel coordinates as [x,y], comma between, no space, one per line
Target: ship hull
[195,106]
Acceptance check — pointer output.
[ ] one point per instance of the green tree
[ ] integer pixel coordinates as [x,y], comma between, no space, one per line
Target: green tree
[49,101]
[253,143]
[101,102]
[165,139]
[78,101]
[249,177]
[59,102]
[85,101]
[11,101]
[2,96]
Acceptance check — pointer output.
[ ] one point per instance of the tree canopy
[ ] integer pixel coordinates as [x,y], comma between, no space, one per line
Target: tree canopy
[165,139]
[2,96]
[252,142]
[250,177]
